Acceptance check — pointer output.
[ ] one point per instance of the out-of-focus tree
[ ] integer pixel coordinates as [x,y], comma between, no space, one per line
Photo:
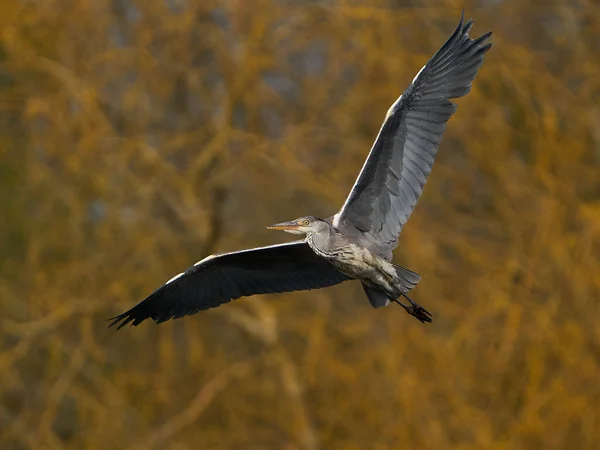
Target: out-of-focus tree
[138,136]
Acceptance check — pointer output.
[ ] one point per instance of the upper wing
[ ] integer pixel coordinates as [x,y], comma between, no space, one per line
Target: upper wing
[218,279]
[393,176]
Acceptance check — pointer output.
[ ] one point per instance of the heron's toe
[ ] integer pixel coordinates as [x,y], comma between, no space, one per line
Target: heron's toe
[421,314]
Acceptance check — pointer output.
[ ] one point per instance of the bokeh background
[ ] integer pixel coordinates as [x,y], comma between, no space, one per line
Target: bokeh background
[138,136]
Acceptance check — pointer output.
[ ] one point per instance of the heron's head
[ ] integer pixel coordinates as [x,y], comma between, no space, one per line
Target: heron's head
[303,225]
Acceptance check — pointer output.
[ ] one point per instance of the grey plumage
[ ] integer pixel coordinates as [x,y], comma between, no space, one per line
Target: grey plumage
[357,242]
[218,279]
[392,179]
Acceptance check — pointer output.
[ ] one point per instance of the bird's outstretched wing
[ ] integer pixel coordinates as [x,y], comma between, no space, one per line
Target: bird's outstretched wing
[392,178]
[219,279]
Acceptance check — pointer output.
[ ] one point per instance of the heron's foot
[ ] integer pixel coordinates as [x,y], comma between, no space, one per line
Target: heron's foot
[415,310]
[420,313]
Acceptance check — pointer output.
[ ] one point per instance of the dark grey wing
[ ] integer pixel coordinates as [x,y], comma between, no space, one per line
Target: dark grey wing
[392,178]
[221,278]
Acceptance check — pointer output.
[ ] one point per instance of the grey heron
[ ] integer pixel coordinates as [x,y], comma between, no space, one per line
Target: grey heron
[357,242]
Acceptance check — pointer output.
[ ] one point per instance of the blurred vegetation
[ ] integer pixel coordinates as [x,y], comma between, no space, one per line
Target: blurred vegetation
[138,136]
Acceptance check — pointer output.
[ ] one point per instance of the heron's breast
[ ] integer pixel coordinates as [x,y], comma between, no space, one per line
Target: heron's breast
[361,262]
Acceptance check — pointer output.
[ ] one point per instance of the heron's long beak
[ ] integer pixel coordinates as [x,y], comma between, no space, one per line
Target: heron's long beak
[293,225]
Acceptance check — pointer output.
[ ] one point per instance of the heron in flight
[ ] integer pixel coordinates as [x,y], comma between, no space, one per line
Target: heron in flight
[357,242]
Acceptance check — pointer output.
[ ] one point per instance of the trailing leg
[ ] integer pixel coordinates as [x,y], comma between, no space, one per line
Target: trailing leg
[414,309]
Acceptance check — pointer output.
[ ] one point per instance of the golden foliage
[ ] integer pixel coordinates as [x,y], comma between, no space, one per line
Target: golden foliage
[137,137]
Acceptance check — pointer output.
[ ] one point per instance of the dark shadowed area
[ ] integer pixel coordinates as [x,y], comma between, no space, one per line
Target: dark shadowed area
[137,137]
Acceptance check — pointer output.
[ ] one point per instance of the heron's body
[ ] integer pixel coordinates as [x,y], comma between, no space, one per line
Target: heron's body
[358,241]
[355,259]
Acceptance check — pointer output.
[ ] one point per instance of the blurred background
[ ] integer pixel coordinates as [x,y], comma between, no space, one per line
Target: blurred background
[136,137]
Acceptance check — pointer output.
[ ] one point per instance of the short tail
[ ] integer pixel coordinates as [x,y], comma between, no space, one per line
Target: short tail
[408,280]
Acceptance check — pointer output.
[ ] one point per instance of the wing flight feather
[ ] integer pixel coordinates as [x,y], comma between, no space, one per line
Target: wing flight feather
[219,279]
[392,178]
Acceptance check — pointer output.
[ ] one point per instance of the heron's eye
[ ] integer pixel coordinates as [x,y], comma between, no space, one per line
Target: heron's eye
[305,223]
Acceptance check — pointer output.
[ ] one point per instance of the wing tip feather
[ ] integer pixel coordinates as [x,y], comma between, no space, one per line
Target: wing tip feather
[123,319]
